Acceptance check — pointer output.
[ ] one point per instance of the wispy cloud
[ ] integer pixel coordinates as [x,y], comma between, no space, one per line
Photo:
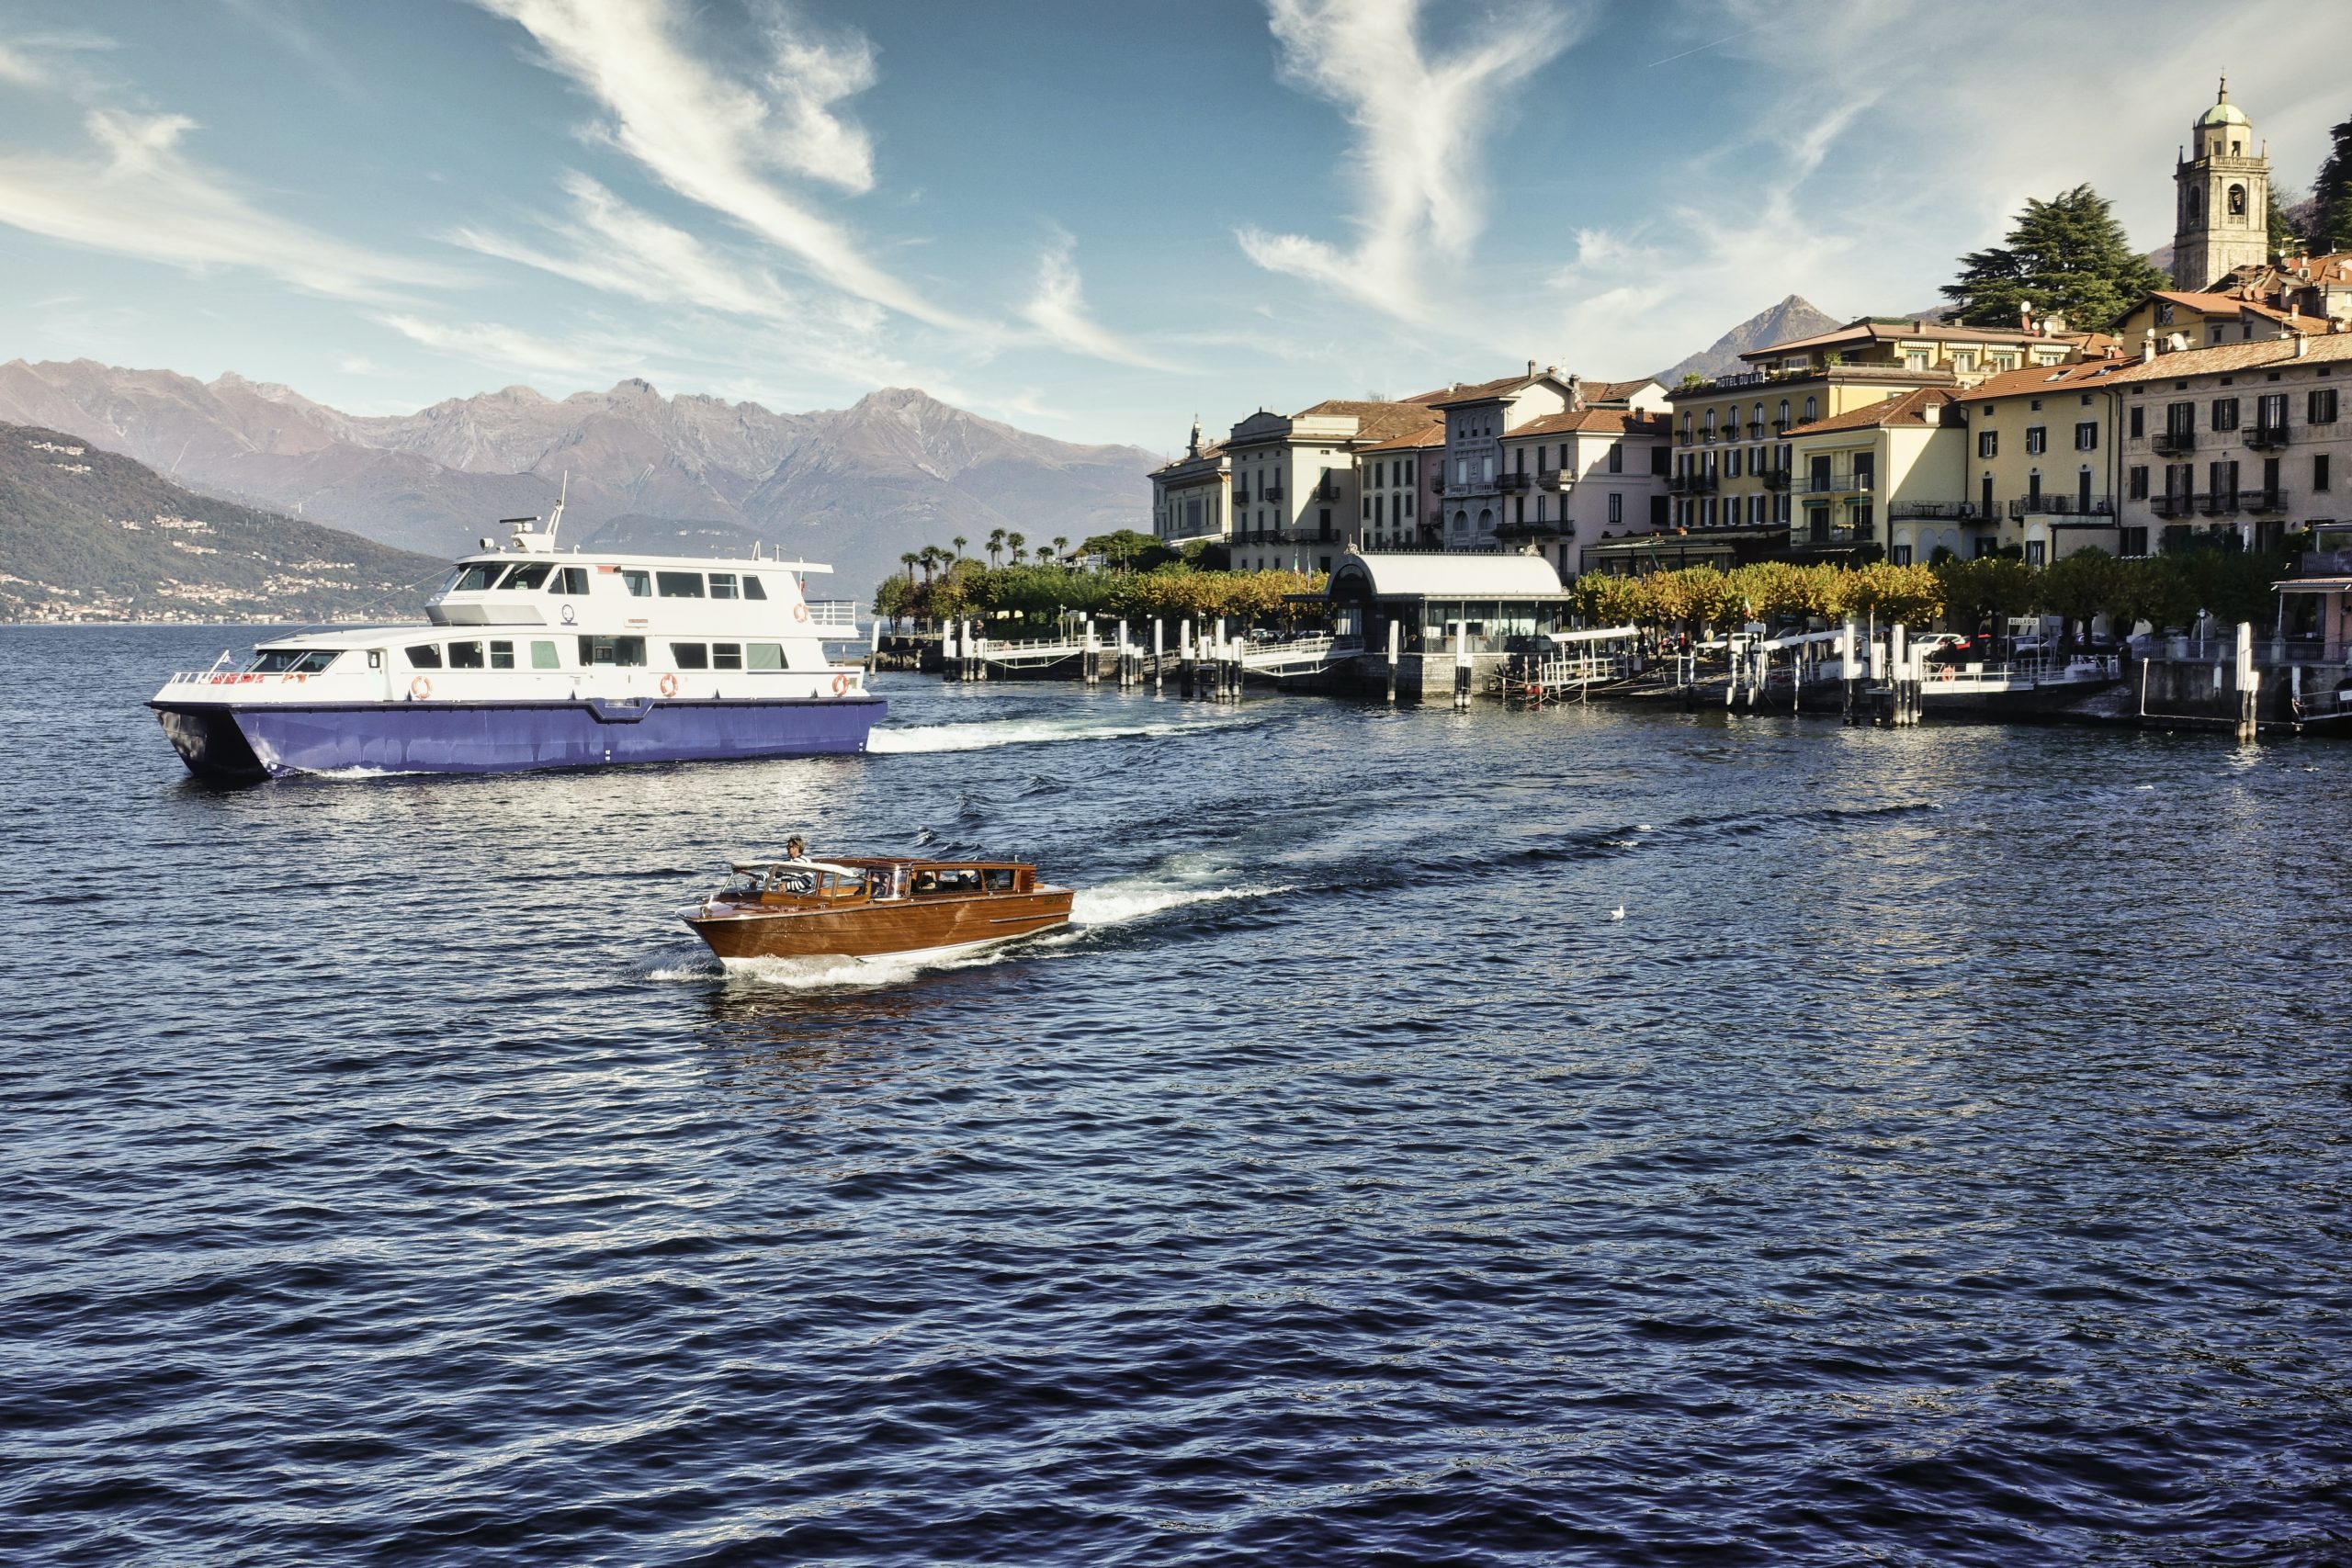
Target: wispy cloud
[1419,121]
[509,349]
[1058,310]
[134,191]
[719,140]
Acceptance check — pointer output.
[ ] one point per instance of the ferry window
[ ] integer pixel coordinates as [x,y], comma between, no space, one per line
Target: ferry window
[291,662]
[530,575]
[679,584]
[752,589]
[502,656]
[763,656]
[375,658]
[474,578]
[465,656]
[639,584]
[1001,879]
[691,655]
[722,585]
[628,651]
[544,657]
[424,656]
[727,656]
[572,579]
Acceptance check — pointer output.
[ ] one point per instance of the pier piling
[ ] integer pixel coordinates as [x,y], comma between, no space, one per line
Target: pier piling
[2249,685]
[1158,674]
[1393,627]
[1462,665]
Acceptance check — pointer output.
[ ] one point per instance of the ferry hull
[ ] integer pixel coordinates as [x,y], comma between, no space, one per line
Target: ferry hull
[900,927]
[239,742]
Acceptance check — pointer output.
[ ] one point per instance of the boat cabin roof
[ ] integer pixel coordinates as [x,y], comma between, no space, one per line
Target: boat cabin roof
[763,867]
[849,865]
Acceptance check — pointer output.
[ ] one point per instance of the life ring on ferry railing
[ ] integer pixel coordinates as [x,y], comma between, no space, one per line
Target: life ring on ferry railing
[841,685]
[800,611]
[669,685]
[420,689]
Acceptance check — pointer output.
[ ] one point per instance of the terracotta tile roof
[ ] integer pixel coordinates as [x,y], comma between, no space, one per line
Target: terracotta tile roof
[2211,303]
[1608,422]
[1905,409]
[2299,323]
[1615,392]
[2334,348]
[2038,379]
[1375,422]
[1412,441]
[1482,391]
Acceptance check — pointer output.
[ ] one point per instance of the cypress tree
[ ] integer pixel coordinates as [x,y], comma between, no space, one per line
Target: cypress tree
[2068,255]
[2331,204]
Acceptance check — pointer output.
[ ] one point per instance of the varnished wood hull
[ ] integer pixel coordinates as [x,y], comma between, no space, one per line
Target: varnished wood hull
[882,930]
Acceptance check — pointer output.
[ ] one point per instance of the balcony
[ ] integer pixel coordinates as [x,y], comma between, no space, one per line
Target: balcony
[1437,484]
[1325,492]
[1755,430]
[1555,479]
[1270,493]
[1516,483]
[1701,483]
[1529,528]
[2172,505]
[1840,484]
[2267,437]
[2172,443]
[2049,503]
[1832,535]
[2217,503]
[1775,478]
[1682,437]
[2272,499]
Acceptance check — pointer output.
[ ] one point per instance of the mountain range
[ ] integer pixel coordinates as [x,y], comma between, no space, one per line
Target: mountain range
[853,486]
[90,535]
[1793,317]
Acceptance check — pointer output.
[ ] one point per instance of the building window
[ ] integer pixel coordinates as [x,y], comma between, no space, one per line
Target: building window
[1988,443]
[2225,413]
[2319,470]
[2270,413]
[2037,440]
[2139,478]
[2319,407]
[2086,436]
[2139,420]
[1616,509]
[1899,555]
[1616,457]
[2133,541]
[2035,552]
[1810,405]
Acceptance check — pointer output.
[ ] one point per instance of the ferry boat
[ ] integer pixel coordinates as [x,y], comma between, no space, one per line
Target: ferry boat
[536,659]
[864,907]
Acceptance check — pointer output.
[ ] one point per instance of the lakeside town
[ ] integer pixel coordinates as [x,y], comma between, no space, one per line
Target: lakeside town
[2142,473]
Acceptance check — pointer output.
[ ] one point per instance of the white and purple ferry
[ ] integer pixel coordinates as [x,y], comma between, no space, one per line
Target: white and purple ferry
[537,659]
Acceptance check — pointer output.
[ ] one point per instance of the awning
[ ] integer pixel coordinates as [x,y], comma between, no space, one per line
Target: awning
[2313,585]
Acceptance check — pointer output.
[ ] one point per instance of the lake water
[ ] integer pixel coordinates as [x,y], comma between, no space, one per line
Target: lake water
[1942,1161]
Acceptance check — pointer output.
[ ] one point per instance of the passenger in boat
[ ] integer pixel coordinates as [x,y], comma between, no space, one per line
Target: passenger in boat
[795,848]
[926,882]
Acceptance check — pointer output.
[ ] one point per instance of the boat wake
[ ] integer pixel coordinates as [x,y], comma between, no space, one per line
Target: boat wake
[889,741]
[1137,898]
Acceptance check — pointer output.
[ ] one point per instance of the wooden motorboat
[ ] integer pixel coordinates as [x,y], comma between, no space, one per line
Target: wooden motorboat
[869,907]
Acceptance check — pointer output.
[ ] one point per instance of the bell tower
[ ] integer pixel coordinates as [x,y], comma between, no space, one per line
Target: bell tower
[2221,187]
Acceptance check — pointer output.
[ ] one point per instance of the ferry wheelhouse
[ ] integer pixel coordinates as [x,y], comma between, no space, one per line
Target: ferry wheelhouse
[536,659]
[871,906]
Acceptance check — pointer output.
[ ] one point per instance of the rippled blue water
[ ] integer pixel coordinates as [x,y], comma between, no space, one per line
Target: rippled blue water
[1942,1161]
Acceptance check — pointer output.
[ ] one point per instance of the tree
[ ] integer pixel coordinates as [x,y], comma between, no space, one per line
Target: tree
[909,562]
[2332,195]
[2067,256]
[960,542]
[996,544]
[2286,239]
[1018,544]
[1120,547]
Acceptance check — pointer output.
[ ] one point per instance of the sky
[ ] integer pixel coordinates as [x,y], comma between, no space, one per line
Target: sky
[1091,220]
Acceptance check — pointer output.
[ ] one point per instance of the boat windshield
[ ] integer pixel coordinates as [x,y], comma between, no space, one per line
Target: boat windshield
[474,578]
[292,661]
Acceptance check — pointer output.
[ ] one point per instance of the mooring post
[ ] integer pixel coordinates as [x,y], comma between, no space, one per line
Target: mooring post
[1899,656]
[1158,676]
[1462,665]
[1393,626]
[1846,653]
[2249,685]
[1184,676]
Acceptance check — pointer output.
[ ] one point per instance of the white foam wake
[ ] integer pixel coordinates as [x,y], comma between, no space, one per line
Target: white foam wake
[889,739]
[1115,903]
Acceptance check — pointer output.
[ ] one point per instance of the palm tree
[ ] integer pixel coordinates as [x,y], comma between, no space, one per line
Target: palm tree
[960,543]
[1045,555]
[1061,548]
[996,544]
[909,560]
[1017,543]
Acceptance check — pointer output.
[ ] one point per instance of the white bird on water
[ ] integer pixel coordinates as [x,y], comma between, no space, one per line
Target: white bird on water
[1618,913]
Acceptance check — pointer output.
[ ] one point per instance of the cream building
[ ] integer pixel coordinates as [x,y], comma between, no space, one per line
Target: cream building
[2248,441]
[1398,504]
[1851,470]
[1191,498]
[1297,505]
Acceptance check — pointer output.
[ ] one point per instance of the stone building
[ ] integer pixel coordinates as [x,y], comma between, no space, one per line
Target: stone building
[2221,198]
[1191,498]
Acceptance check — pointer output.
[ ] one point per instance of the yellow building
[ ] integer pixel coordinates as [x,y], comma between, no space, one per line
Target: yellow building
[1733,466]
[1902,451]
[2040,470]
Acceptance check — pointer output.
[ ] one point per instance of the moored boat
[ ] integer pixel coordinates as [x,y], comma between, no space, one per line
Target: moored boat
[874,906]
[535,659]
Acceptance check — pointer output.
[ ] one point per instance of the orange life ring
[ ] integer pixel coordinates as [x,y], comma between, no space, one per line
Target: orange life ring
[800,611]
[669,685]
[419,688]
[841,685]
